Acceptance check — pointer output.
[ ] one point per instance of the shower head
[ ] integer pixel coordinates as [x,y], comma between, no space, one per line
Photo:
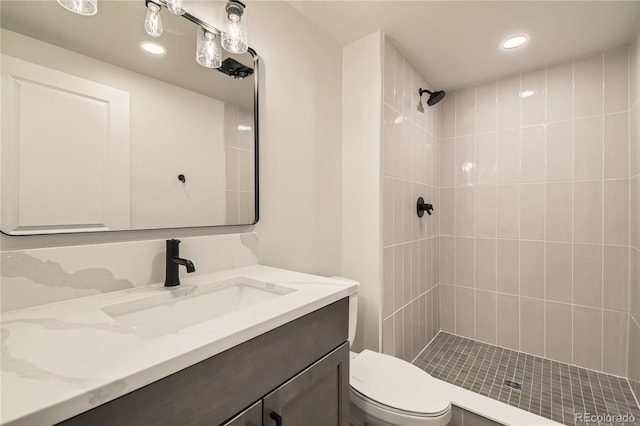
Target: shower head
[434,97]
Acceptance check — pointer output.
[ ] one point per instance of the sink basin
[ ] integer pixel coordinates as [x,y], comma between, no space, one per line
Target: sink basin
[187,305]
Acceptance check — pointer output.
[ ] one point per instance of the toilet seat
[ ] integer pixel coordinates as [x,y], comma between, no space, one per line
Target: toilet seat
[391,389]
[370,412]
[365,400]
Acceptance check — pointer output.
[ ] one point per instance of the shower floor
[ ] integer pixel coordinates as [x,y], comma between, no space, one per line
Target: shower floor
[551,389]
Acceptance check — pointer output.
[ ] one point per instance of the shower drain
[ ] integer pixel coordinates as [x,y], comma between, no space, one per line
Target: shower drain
[512,384]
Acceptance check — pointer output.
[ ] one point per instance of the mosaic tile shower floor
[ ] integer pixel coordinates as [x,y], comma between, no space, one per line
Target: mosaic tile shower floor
[550,389]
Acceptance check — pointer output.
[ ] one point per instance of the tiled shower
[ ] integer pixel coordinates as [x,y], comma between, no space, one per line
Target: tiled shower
[534,204]
[534,242]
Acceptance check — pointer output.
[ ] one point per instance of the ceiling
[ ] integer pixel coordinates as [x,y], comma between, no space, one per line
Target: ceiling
[456,43]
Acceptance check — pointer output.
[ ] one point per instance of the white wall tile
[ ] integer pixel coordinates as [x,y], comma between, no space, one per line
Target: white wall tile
[532,154]
[532,97]
[559,151]
[465,160]
[587,148]
[465,111]
[616,80]
[486,107]
[560,92]
[588,86]
[508,106]
[616,145]
[448,115]
[486,163]
[508,156]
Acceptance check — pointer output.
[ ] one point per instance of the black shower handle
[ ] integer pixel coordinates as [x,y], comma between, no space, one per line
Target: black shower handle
[422,207]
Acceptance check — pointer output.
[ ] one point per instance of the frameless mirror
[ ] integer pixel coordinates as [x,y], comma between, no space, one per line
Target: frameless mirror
[99,134]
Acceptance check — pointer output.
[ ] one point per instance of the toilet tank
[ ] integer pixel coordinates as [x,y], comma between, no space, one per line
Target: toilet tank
[353,309]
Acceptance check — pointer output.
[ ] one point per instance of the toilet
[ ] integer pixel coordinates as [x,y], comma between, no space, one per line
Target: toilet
[387,391]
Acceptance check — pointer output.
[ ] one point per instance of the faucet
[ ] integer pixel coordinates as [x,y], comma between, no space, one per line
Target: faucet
[173,262]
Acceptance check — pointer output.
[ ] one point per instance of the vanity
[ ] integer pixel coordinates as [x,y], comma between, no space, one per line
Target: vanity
[278,355]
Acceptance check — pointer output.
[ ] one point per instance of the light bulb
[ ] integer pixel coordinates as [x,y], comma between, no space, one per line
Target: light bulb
[81,7]
[235,38]
[175,7]
[153,22]
[208,53]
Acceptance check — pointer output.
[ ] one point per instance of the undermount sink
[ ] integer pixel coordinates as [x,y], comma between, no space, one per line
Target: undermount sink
[187,305]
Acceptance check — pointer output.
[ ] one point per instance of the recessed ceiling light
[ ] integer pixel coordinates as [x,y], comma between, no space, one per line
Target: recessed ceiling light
[513,42]
[153,48]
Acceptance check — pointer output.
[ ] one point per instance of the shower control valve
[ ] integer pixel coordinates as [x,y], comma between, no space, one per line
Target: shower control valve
[422,207]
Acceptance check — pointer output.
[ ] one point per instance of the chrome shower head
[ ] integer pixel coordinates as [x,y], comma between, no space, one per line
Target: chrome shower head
[434,97]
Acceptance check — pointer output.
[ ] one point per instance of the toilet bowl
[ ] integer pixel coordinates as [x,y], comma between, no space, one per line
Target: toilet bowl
[387,391]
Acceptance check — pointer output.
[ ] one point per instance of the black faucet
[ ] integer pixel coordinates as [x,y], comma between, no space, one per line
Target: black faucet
[173,262]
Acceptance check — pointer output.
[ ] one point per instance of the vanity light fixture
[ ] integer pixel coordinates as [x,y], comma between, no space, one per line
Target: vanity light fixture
[513,42]
[208,52]
[81,7]
[235,36]
[153,22]
[175,7]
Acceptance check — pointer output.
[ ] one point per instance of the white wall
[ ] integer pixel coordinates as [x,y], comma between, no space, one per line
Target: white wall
[362,181]
[299,151]
[300,163]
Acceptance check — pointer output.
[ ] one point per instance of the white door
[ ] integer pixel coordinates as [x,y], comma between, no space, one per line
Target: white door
[64,152]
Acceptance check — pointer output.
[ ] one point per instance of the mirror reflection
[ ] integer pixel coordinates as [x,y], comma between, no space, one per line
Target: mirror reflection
[107,128]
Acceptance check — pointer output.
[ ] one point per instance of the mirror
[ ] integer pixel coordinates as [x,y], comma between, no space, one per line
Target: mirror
[99,135]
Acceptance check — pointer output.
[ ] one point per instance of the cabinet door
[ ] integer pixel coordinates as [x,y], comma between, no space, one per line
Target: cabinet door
[252,416]
[318,396]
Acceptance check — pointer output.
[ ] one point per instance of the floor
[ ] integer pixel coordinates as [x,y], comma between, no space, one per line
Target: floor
[548,388]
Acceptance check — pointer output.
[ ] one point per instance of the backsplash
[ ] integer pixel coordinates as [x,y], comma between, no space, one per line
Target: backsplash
[45,275]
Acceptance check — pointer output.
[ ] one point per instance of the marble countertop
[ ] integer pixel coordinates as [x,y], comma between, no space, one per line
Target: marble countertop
[61,359]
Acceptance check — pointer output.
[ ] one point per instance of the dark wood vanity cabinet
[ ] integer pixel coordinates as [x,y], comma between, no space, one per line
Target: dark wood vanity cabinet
[252,416]
[294,375]
[319,396]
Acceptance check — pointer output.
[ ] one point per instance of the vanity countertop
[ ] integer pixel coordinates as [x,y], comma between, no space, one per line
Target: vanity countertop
[61,359]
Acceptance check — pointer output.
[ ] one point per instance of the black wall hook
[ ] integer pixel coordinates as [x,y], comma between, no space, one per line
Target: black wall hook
[182,179]
[421,207]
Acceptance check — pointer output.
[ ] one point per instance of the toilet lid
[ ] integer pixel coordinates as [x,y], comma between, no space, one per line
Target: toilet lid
[397,384]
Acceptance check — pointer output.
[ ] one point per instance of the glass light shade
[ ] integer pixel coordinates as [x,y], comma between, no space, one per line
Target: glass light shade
[81,7]
[153,22]
[208,52]
[235,38]
[175,7]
